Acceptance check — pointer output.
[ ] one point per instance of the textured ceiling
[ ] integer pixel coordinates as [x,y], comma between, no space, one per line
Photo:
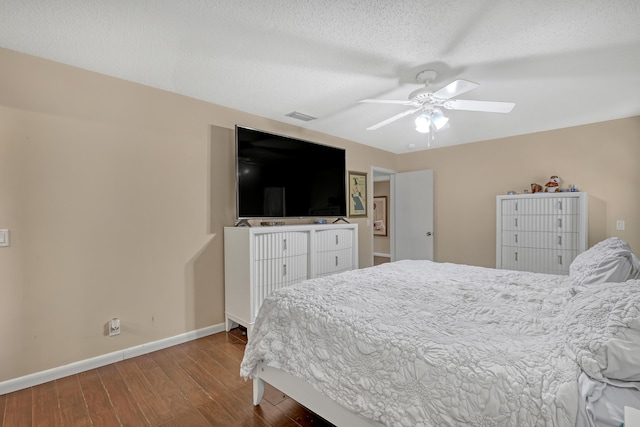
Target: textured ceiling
[563,62]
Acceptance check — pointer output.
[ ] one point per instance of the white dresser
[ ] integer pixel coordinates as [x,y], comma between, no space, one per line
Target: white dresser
[541,232]
[259,260]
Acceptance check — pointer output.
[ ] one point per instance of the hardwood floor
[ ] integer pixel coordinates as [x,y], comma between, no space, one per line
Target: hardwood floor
[189,385]
[377,260]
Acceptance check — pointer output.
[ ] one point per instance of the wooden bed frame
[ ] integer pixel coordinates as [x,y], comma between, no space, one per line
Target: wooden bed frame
[307,396]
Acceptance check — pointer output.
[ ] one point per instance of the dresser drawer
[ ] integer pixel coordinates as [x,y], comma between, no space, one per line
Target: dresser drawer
[557,223]
[278,245]
[541,206]
[334,262]
[280,271]
[540,239]
[552,261]
[331,240]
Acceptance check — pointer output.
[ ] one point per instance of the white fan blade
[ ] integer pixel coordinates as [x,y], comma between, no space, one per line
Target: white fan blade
[385,101]
[454,89]
[486,106]
[394,118]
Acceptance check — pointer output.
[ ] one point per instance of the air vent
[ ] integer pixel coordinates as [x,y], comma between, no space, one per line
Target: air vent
[300,116]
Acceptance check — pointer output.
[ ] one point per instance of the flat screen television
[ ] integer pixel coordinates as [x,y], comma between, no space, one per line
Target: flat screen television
[282,177]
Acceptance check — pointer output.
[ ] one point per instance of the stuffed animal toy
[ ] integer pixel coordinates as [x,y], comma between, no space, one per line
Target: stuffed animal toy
[536,188]
[553,186]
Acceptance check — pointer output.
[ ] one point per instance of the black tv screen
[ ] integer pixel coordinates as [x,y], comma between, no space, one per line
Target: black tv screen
[282,177]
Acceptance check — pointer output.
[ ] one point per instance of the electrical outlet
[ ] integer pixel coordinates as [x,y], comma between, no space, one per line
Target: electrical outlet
[620,224]
[114,327]
[4,237]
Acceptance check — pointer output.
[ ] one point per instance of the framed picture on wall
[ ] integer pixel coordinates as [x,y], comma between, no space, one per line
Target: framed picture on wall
[357,194]
[380,225]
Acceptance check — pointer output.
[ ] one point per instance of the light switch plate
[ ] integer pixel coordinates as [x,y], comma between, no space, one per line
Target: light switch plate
[4,237]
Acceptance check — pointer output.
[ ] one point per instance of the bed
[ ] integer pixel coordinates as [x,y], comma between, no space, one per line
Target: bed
[420,343]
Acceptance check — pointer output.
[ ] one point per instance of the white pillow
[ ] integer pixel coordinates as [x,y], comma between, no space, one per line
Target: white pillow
[610,260]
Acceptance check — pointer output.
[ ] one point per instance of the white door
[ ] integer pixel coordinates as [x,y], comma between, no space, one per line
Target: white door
[413,215]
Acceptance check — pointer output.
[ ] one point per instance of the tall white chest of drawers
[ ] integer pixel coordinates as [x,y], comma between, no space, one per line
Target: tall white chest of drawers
[541,232]
[259,260]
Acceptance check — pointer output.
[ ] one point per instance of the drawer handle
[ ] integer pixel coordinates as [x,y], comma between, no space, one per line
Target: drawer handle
[336,261]
[560,240]
[560,259]
[516,220]
[284,244]
[516,256]
[336,239]
[559,205]
[516,238]
[559,222]
[284,269]
[516,205]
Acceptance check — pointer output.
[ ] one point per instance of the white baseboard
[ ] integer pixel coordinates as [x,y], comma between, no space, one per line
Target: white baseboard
[102,360]
[382,255]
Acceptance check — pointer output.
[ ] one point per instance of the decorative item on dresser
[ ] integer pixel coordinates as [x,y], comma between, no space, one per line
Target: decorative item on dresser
[541,232]
[260,260]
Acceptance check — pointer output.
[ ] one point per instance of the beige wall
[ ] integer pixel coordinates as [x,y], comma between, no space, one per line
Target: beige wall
[601,159]
[116,195]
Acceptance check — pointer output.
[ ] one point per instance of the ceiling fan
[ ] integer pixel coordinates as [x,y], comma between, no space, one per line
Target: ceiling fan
[430,104]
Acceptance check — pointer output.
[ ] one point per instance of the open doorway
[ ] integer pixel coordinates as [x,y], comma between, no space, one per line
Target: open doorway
[382,215]
[408,217]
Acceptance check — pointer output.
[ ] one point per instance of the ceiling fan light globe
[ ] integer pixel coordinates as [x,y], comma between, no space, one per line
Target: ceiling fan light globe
[423,123]
[422,120]
[439,120]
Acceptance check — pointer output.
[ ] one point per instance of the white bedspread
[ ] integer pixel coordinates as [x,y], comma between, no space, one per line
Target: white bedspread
[418,343]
